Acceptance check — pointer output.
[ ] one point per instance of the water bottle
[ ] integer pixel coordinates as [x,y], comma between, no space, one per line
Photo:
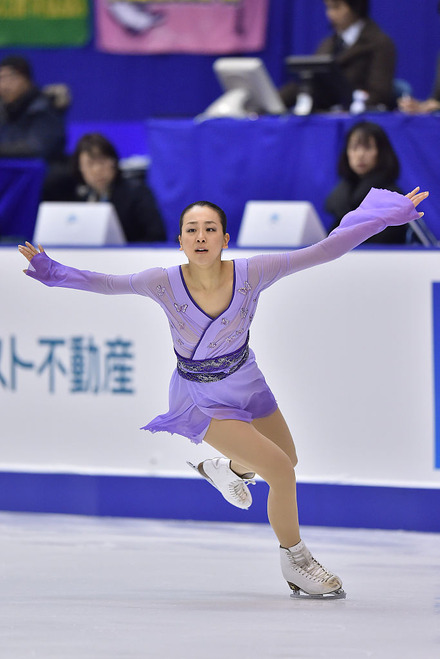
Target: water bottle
[358,104]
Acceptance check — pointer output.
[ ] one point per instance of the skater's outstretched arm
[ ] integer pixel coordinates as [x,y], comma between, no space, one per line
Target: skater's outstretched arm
[52,273]
[379,209]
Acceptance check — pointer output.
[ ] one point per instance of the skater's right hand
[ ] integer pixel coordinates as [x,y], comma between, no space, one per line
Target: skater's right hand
[29,251]
[416,197]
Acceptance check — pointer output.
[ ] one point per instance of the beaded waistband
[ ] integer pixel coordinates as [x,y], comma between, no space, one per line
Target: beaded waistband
[215,369]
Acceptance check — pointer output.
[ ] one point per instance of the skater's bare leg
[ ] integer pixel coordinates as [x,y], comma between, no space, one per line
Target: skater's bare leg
[266,447]
[243,444]
[275,428]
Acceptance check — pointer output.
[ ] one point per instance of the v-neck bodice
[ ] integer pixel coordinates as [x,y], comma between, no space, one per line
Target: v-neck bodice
[244,395]
[199,307]
[216,336]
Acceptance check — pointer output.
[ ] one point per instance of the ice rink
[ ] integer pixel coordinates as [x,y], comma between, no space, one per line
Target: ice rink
[103,587]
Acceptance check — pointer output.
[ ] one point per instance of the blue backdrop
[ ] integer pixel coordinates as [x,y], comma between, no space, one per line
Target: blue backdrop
[133,87]
[231,161]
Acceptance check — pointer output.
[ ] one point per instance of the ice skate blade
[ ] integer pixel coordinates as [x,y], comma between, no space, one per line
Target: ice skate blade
[298,594]
[201,473]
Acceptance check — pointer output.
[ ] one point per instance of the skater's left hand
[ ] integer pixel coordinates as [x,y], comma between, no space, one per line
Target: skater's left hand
[29,251]
[416,197]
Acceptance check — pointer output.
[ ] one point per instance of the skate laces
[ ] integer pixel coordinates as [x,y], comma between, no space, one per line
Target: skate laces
[305,562]
[317,572]
[248,481]
[238,489]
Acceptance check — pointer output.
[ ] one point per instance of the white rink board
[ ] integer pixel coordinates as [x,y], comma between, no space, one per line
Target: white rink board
[346,348]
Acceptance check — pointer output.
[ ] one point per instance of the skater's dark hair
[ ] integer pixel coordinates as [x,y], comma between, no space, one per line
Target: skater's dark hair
[220,212]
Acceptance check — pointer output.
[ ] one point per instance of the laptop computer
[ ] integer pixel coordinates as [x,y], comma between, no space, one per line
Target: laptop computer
[78,223]
[280,224]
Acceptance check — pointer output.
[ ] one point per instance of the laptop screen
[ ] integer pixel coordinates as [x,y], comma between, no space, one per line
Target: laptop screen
[78,223]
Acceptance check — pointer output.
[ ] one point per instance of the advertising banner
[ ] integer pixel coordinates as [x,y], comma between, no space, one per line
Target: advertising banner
[351,359]
[44,22]
[181,26]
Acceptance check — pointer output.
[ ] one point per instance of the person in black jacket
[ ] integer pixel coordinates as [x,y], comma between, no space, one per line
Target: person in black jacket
[367,161]
[30,124]
[95,176]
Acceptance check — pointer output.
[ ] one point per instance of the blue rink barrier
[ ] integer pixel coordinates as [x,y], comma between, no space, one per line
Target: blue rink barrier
[338,505]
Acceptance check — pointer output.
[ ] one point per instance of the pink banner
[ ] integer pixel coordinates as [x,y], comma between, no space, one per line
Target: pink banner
[181,26]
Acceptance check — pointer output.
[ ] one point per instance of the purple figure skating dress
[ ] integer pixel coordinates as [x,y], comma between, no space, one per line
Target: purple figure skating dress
[217,375]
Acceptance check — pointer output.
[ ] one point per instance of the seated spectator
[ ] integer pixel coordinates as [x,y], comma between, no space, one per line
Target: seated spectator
[365,56]
[410,105]
[95,175]
[367,160]
[30,123]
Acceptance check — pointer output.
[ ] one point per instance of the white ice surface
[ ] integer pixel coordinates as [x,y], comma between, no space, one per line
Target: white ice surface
[94,588]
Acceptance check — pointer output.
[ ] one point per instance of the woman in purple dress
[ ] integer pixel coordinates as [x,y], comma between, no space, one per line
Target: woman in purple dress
[217,392]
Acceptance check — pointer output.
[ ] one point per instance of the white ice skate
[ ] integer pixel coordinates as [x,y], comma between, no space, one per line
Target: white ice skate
[234,488]
[306,577]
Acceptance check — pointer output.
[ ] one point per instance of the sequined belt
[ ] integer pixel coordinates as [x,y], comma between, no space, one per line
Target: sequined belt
[215,369]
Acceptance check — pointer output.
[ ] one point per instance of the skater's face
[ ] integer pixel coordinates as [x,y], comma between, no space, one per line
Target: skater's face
[362,153]
[202,238]
[339,14]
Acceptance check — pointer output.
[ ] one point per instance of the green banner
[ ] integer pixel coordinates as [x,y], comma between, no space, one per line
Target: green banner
[44,22]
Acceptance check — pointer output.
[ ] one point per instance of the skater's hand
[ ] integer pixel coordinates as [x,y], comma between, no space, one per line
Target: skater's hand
[29,251]
[416,197]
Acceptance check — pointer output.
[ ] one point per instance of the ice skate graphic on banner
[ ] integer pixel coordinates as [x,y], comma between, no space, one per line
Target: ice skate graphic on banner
[135,17]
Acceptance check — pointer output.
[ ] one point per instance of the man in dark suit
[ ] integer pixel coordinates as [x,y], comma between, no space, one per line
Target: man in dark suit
[365,57]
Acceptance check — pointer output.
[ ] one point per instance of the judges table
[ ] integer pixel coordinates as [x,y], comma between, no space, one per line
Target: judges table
[20,189]
[231,161]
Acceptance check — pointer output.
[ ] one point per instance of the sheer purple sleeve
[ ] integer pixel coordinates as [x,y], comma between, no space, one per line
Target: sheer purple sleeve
[52,273]
[379,209]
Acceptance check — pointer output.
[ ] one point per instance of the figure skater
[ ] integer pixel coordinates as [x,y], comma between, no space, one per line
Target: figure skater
[217,392]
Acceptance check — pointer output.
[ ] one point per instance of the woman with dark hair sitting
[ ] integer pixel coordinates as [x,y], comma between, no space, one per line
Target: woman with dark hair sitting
[367,161]
[95,176]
